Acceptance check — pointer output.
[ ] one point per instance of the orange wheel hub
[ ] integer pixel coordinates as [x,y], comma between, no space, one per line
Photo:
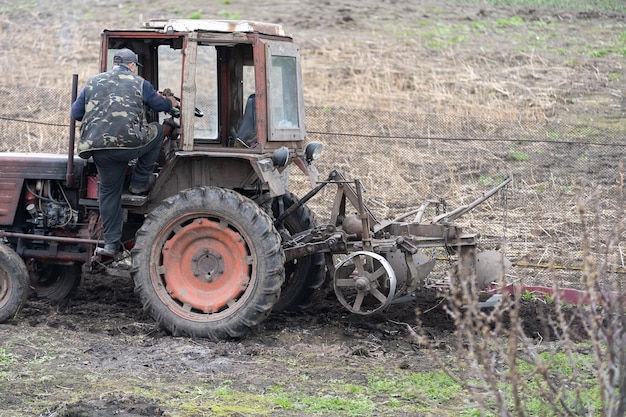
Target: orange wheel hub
[205,266]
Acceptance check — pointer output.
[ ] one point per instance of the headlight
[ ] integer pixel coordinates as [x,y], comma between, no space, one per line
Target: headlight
[313,151]
[280,156]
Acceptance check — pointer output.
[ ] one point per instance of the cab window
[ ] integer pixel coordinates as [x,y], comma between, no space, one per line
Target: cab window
[170,73]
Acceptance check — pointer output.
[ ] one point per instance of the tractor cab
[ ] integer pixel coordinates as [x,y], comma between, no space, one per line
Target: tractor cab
[239,82]
[240,122]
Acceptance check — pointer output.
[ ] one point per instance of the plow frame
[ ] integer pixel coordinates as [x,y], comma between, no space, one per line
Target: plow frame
[398,239]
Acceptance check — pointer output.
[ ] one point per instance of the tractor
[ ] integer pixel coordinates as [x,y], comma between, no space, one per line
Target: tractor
[220,241]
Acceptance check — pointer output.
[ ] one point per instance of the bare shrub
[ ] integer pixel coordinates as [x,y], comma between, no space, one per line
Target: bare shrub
[543,355]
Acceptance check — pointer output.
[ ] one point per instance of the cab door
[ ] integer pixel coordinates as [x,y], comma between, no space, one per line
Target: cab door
[285,102]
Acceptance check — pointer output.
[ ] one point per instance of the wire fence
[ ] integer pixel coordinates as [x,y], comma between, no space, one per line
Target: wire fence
[565,199]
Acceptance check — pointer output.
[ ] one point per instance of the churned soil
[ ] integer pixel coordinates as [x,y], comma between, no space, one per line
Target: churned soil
[97,354]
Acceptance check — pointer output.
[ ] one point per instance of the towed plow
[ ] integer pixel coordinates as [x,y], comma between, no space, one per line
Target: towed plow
[372,263]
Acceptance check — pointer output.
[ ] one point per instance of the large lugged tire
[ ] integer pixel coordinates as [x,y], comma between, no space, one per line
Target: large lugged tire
[303,275]
[208,262]
[13,283]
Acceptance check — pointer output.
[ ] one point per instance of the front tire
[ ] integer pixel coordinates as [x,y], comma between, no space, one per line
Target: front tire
[303,276]
[208,263]
[13,283]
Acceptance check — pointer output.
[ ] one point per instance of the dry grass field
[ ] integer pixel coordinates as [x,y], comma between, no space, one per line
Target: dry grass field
[460,69]
[456,58]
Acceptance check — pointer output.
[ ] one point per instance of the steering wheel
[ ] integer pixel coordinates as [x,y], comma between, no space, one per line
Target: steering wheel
[175,111]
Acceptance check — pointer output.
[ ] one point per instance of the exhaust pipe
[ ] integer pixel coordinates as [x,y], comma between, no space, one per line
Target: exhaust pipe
[70,181]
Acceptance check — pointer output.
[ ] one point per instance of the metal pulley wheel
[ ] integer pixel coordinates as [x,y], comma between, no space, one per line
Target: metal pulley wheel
[364,282]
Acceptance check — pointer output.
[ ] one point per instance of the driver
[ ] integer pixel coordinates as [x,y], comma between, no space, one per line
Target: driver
[114,131]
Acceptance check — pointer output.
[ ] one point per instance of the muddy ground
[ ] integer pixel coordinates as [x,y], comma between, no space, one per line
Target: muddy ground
[98,354]
[100,338]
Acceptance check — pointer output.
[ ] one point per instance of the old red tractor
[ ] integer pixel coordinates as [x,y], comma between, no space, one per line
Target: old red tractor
[220,241]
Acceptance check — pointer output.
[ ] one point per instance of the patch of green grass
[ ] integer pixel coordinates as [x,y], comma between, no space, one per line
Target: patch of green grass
[486,180]
[229,15]
[479,25]
[552,135]
[442,36]
[403,32]
[43,359]
[336,403]
[599,53]
[536,39]
[489,181]
[195,15]
[6,357]
[410,393]
[518,155]
[531,35]
[229,401]
[561,366]
[20,7]
[570,63]
[606,5]
[436,387]
[358,405]
[511,21]
[528,35]
[474,412]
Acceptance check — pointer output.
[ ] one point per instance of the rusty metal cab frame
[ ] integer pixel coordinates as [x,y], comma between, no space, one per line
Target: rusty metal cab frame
[220,63]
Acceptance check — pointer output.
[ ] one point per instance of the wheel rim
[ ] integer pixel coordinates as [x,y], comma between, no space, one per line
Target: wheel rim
[204,267]
[364,282]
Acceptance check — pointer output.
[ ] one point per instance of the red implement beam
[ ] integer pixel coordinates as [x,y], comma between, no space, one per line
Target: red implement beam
[567,295]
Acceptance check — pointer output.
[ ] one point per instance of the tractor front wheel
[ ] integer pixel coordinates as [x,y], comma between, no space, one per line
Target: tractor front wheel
[208,263]
[303,276]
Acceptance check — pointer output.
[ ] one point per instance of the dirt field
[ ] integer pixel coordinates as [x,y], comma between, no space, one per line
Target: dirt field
[97,354]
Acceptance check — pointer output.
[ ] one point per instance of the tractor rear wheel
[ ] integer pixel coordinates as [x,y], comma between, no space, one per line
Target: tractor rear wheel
[302,275]
[13,283]
[208,262]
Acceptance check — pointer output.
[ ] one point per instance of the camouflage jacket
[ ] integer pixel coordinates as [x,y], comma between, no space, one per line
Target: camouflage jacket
[114,112]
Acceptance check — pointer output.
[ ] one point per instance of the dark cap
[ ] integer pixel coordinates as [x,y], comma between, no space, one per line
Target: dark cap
[125,56]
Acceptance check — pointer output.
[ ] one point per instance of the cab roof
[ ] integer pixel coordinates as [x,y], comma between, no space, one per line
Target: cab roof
[225,26]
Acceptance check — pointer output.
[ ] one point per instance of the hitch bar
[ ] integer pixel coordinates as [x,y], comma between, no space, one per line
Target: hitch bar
[459,211]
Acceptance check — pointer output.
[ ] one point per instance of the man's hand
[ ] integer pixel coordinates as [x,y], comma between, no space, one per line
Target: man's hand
[168,94]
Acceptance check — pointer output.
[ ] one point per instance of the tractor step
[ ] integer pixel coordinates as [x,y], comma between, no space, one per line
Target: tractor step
[127,200]
[133,200]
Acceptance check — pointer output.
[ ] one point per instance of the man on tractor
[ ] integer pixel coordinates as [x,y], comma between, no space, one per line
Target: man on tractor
[114,131]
